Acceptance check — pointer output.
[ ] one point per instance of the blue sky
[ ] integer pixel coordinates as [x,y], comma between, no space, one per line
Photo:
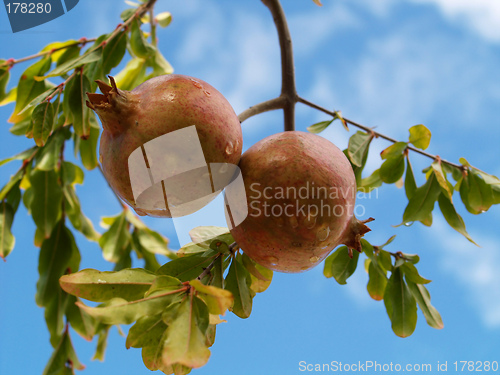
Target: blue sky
[385,63]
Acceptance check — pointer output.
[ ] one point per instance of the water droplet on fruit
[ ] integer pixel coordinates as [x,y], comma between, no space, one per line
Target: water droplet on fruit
[140,212]
[323,234]
[207,93]
[229,148]
[271,260]
[196,84]
[293,222]
[100,158]
[310,221]
[279,221]
[313,259]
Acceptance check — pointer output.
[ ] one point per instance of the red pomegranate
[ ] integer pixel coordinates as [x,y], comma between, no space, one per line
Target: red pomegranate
[301,194]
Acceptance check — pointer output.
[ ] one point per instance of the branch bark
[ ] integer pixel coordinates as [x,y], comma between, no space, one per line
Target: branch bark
[288,91]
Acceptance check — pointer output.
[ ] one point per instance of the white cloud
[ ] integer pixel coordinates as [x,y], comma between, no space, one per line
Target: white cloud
[483,16]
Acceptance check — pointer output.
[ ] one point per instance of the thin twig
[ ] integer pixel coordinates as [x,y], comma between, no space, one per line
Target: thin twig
[377,134]
[288,90]
[207,270]
[12,62]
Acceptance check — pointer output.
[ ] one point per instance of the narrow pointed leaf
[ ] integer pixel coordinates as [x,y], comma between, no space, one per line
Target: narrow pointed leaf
[186,268]
[76,102]
[358,147]
[80,321]
[340,265]
[7,240]
[47,198]
[376,283]
[423,299]
[132,75]
[138,43]
[185,339]
[54,315]
[57,255]
[87,57]
[217,300]
[319,127]
[102,341]
[421,204]
[63,356]
[164,19]
[88,147]
[4,79]
[121,311]
[113,52]
[115,240]
[129,284]
[371,182]
[401,305]
[43,121]
[392,169]
[411,274]
[238,282]
[441,179]
[28,88]
[410,184]
[452,217]
[147,331]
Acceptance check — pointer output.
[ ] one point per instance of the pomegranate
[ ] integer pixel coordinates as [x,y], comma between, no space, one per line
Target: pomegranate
[301,193]
[159,140]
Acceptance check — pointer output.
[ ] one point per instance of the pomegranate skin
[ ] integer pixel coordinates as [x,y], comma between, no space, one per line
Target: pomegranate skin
[157,107]
[283,173]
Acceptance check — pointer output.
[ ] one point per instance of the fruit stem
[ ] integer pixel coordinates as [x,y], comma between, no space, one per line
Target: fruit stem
[353,233]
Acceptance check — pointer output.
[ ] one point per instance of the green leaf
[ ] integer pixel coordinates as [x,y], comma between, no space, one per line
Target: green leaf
[88,57]
[28,88]
[185,342]
[113,52]
[411,274]
[4,79]
[147,331]
[238,281]
[121,311]
[7,240]
[58,255]
[63,360]
[79,221]
[159,64]
[80,321]
[420,136]
[47,198]
[129,284]
[114,242]
[54,315]
[261,276]
[410,184]
[43,121]
[127,13]
[132,74]
[371,182]
[26,154]
[377,282]
[138,43]
[452,217]
[72,174]
[10,97]
[421,204]
[358,147]
[88,147]
[42,97]
[392,169]
[442,180]
[186,268]
[394,150]
[218,300]
[340,265]
[476,194]
[63,56]
[48,157]
[153,242]
[423,299]
[319,126]
[102,341]
[76,102]
[400,304]
[164,19]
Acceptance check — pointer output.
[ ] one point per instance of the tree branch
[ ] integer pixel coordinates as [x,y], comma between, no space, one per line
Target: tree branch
[288,90]
[269,105]
[377,134]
